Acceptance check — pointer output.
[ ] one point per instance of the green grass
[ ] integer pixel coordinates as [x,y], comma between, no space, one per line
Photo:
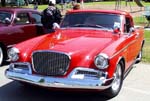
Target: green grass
[146,49]
[42,7]
[147,35]
[114,2]
[123,3]
[140,20]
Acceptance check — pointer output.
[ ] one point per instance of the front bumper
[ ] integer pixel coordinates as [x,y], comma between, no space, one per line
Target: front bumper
[73,81]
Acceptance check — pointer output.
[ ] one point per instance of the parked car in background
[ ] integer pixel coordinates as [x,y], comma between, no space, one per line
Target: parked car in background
[92,50]
[16,2]
[42,1]
[63,1]
[16,25]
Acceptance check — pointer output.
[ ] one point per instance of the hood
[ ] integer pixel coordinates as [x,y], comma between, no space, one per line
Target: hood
[73,42]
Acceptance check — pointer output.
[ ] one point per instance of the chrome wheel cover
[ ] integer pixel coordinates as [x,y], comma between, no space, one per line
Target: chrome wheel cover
[117,78]
[140,55]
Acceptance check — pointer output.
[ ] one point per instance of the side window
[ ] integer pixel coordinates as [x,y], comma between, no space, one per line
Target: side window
[22,18]
[127,25]
[37,18]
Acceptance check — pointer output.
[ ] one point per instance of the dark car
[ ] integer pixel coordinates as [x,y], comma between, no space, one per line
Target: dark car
[16,25]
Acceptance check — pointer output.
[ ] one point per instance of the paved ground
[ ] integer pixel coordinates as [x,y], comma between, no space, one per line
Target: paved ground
[136,87]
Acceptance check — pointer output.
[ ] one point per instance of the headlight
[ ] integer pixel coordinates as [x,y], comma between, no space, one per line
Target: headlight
[13,54]
[101,61]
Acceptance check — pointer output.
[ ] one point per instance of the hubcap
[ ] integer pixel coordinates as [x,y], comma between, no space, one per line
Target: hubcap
[117,81]
[140,55]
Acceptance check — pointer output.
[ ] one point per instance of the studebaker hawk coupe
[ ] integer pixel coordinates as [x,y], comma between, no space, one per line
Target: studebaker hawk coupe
[92,50]
[16,25]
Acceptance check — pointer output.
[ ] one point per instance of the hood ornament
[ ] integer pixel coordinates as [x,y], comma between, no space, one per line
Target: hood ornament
[51,45]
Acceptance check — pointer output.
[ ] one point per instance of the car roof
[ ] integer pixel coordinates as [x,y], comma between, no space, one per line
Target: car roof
[16,9]
[119,12]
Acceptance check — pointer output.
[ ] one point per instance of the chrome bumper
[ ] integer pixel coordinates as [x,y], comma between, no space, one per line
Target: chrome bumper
[72,81]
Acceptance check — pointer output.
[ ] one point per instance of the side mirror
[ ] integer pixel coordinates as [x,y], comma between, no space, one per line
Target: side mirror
[116,30]
[131,30]
[56,26]
[116,27]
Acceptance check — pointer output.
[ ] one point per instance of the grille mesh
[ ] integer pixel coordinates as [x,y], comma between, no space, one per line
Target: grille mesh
[50,63]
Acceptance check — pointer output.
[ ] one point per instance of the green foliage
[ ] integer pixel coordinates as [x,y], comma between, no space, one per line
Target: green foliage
[147,35]
[146,48]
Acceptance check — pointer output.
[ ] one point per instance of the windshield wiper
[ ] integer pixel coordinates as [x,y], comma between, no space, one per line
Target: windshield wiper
[88,25]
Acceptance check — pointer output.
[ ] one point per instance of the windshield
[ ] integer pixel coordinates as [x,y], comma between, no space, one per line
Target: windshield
[93,20]
[4,16]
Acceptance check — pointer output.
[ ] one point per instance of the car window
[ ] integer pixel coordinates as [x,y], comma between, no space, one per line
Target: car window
[22,18]
[127,24]
[4,16]
[36,17]
[100,19]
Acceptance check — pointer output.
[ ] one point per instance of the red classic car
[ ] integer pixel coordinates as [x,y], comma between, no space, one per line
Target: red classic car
[16,25]
[92,50]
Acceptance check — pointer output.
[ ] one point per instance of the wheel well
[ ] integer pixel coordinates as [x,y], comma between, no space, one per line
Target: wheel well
[143,43]
[4,49]
[122,61]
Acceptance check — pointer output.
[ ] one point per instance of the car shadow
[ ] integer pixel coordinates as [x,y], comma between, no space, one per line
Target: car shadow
[5,63]
[14,91]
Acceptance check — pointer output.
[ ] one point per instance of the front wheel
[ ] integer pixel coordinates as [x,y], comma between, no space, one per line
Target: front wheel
[139,57]
[117,83]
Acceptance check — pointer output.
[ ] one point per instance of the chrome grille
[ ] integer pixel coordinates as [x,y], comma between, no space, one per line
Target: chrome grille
[50,63]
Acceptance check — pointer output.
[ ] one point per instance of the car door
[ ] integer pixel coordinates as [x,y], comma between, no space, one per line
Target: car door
[132,42]
[22,28]
[36,19]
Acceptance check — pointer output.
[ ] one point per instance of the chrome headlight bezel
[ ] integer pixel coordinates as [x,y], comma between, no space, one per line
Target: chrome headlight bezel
[101,61]
[13,54]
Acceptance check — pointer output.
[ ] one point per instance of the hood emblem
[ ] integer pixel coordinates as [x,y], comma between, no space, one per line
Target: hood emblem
[51,45]
[59,36]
